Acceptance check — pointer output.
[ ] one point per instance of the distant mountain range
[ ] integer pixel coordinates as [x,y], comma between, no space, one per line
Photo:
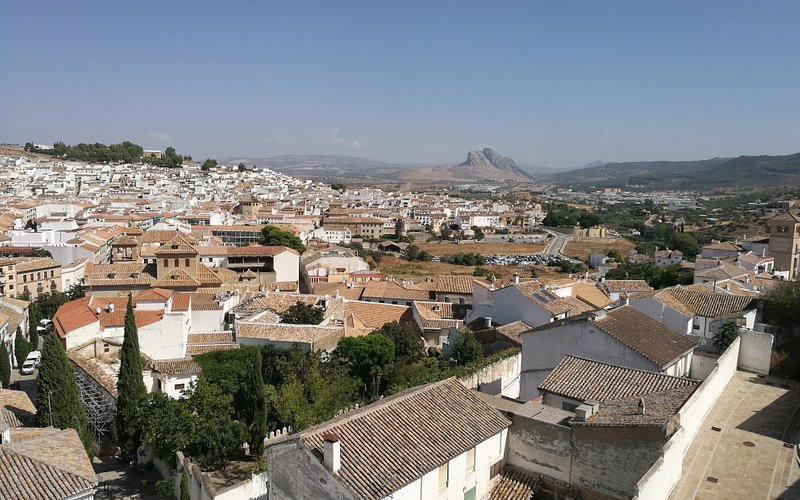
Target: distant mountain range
[489,166]
[483,165]
[744,171]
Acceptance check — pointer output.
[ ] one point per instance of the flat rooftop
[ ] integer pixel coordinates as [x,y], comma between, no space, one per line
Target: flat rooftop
[747,457]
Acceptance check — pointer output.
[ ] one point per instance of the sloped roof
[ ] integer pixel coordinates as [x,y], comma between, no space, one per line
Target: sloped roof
[628,285]
[44,463]
[176,278]
[646,336]
[787,216]
[514,484]
[393,290]
[393,442]
[693,302]
[370,316]
[178,245]
[437,315]
[16,407]
[183,366]
[618,389]
[454,284]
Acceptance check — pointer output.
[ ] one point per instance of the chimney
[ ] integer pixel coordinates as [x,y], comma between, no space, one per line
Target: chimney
[641,406]
[332,452]
[337,294]
[5,434]
[516,278]
[626,301]
[488,321]
[110,307]
[349,285]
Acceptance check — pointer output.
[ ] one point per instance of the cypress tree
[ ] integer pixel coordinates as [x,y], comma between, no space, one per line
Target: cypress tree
[130,386]
[184,487]
[33,322]
[5,366]
[57,397]
[258,406]
[21,348]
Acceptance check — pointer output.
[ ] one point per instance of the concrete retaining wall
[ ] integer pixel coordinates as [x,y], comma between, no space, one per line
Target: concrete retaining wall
[501,377]
[755,352]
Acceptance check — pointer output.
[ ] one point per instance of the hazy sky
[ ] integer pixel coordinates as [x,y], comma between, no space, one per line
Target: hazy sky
[546,83]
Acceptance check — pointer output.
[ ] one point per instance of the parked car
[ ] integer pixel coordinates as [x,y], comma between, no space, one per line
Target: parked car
[28,367]
[31,362]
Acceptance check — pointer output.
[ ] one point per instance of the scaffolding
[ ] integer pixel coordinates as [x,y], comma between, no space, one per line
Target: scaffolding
[101,407]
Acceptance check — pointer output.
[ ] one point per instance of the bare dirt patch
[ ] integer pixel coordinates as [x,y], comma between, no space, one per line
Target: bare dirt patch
[479,247]
[580,248]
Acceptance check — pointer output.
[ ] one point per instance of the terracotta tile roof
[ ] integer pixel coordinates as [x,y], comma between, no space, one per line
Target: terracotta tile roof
[437,315]
[388,290]
[692,302]
[176,278]
[207,277]
[352,293]
[588,292]
[176,366]
[153,295]
[44,464]
[364,317]
[84,311]
[16,408]
[550,302]
[724,271]
[754,258]
[194,350]
[93,370]
[514,484]
[618,390]
[118,274]
[627,285]
[210,338]
[723,245]
[318,337]
[124,241]
[393,442]
[514,330]
[454,284]
[161,236]
[34,264]
[178,245]
[787,216]
[646,336]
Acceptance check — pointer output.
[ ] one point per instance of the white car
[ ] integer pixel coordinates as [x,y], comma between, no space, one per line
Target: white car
[28,367]
[31,362]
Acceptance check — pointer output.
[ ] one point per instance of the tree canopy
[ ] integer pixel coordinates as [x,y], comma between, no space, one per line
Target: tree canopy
[725,336]
[369,358]
[466,347]
[273,236]
[302,314]
[5,366]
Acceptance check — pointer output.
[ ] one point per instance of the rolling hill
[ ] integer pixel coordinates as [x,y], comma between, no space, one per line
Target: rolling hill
[743,171]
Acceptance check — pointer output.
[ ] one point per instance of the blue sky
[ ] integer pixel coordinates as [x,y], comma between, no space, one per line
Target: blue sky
[546,83]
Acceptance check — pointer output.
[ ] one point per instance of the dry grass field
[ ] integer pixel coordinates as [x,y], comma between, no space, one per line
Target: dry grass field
[399,267]
[580,248]
[479,247]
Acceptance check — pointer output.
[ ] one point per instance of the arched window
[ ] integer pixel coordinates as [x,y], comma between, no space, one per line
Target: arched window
[166,262]
[187,262]
[177,263]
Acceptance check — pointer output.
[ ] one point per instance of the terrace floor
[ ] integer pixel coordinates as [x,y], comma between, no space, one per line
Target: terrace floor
[740,450]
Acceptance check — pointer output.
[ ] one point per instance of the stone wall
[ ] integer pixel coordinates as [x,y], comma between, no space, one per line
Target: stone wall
[539,447]
[501,377]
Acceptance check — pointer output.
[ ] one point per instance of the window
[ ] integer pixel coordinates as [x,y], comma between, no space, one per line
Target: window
[187,262]
[444,473]
[696,327]
[177,263]
[24,278]
[179,387]
[470,461]
[52,274]
[166,262]
[106,347]
[568,406]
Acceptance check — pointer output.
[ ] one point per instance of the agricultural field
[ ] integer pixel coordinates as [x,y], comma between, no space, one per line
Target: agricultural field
[580,248]
[484,247]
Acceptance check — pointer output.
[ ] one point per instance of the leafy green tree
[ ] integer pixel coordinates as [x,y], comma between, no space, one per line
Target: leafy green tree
[241,167]
[369,358]
[208,164]
[57,399]
[725,335]
[399,227]
[782,305]
[76,291]
[337,186]
[130,386]
[258,406]
[445,232]
[478,233]
[217,436]
[40,252]
[21,347]
[408,345]
[413,253]
[167,424]
[230,370]
[687,244]
[466,348]
[273,236]
[5,366]
[302,314]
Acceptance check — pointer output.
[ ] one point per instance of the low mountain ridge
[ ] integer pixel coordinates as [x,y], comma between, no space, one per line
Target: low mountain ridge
[742,171]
